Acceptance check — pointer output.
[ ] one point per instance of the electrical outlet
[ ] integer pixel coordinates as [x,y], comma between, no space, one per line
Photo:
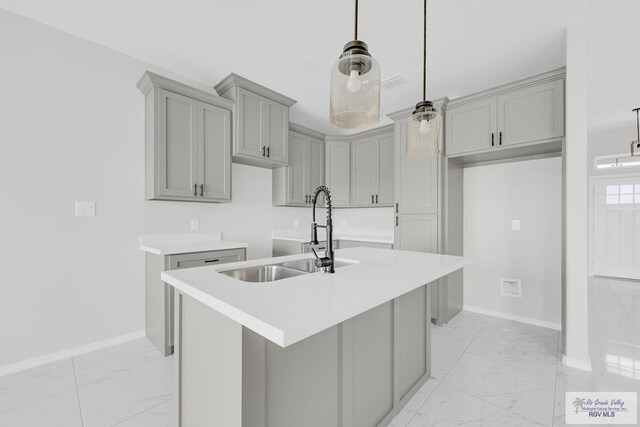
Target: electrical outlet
[195,224]
[515,225]
[85,208]
[343,223]
[296,223]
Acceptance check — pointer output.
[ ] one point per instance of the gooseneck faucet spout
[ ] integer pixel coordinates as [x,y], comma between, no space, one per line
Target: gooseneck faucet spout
[326,262]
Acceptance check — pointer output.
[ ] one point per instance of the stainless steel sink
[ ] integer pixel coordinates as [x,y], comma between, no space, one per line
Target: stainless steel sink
[262,273]
[308,265]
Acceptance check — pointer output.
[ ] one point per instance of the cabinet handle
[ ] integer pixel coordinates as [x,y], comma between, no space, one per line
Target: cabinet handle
[376,199]
[201,190]
[500,143]
[306,198]
[396,220]
[397,207]
[372,202]
[263,148]
[195,189]
[492,135]
[268,151]
[211,260]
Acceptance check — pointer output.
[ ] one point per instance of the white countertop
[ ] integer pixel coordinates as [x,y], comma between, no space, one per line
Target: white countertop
[183,243]
[289,310]
[361,235]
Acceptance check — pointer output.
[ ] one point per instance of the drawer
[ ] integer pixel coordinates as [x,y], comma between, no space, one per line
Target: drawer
[201,259]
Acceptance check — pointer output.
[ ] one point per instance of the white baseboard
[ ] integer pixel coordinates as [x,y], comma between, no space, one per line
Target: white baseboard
[584,365]
[71,352]
[508,316]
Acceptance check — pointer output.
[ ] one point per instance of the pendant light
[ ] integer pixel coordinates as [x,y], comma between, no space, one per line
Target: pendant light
[635,145]
[423,130]
[355,85]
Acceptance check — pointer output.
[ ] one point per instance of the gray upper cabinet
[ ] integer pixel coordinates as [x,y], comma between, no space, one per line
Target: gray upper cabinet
[294,185]
[364,156]
[472,127]
[385,170]
[531,114]
[261,122]
[188,142]
[527,112]
[337,175]
[372,170]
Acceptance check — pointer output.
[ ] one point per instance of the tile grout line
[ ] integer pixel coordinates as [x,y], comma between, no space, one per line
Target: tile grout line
[633,324]
[75,379]
[445,375]
[141,412]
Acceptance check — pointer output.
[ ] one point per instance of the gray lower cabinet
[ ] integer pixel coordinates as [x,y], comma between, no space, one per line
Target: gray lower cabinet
[527,112]
[260,124]
[188,137]
[295,184]
[159,300]
[417,232]
[359,373]
[282,247]
[337,176]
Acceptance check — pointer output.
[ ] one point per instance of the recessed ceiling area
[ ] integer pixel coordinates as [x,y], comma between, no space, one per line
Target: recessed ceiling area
[290,45]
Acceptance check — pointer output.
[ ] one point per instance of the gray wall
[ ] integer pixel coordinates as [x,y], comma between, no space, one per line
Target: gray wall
[72,128]
[494,195]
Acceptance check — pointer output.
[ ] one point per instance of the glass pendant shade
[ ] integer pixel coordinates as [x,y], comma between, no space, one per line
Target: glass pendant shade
[423,131]
[355,88]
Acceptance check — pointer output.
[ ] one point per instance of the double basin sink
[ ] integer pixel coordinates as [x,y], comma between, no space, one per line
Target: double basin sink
[282,270]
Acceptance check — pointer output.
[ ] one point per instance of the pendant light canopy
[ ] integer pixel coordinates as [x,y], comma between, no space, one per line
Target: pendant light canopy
[355,85]
[635,145]
[423,130]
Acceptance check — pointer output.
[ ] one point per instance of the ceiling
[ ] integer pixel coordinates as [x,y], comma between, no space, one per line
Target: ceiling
[290,45]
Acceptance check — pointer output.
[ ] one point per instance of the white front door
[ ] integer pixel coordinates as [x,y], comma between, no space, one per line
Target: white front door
[616,223]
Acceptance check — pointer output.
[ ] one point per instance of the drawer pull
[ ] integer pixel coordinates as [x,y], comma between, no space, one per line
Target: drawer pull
[211,260]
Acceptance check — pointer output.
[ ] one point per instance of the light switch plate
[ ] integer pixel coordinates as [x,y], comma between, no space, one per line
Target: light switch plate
[515,225]
[85,208]
[195,224]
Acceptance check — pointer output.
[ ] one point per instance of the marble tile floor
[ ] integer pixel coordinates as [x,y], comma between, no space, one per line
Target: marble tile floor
[485,372]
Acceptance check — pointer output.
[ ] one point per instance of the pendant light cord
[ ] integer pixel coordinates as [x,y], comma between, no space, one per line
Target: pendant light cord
[355,36]
[424,56]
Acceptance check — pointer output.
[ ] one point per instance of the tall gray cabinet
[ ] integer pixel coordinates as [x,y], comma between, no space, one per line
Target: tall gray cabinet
[294,185]
[188,142]
[421,200]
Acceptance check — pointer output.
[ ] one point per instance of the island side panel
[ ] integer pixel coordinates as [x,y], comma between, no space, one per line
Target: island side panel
[368,342]
[209,366]
[157,304]
[411,339]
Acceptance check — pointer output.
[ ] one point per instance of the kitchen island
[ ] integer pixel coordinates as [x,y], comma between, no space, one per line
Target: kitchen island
[312,349]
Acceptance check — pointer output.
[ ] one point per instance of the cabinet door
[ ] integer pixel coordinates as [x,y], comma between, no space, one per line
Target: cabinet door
[470,127]
[297,172]
[364,155]
[250,127]
[416,178]
[315,164]
[214,152]
[177,150]
[337,172]
[531,114]
[276,131]
[416,233]
[412,332]
[385,171]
